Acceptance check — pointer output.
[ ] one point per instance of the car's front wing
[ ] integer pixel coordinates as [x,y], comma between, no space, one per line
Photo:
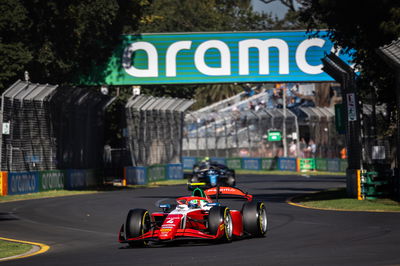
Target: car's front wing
[180,234]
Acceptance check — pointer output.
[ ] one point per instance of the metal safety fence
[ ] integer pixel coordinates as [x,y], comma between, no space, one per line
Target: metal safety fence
[154,129]
[241,129]
[46,127]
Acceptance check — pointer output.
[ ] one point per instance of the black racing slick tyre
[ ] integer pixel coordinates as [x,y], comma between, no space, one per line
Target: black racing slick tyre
[255,221]
[220,215]
[137,223]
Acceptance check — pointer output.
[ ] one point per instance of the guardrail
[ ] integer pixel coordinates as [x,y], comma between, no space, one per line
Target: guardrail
[277,163]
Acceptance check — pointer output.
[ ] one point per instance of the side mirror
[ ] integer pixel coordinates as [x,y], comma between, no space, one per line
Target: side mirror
[213,204]
[165,207]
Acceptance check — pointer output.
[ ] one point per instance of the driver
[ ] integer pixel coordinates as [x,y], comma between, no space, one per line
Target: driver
[195,203]
[205,163]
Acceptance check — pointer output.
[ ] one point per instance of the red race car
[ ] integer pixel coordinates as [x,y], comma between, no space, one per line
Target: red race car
[194,217]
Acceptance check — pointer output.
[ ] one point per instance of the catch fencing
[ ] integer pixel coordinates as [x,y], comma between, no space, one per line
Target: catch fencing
[154,129]
[46,127]
[241,128]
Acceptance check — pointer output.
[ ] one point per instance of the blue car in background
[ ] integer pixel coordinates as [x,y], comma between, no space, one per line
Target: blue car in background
[212,174]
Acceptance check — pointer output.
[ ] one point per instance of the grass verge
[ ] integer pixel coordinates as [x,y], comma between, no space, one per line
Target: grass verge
[336,199]
[9,249]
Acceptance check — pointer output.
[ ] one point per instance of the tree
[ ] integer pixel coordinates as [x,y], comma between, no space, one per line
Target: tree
[58,40]
[291,19]
[360,28]
[201,16]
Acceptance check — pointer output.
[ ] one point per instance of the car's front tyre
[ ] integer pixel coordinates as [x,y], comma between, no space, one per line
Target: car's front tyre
[220,215]
[137,223]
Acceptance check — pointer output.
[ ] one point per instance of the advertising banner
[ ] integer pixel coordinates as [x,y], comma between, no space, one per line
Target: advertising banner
[218,57]
[76,179]
[174,171]
[218,160]
[188,162]
[321,164]
[234,163]
[251,163]
[136,175]
[306,164]
[269,164]
[156,173]
[343,165]
[51,180]
[288,164]
[333,165]
[91,179]
[22,183]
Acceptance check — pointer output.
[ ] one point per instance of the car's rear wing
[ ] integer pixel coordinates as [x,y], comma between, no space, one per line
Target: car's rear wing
[227,191]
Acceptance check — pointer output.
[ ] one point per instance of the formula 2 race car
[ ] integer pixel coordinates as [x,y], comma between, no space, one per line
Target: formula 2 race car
[194,217]
[213,174]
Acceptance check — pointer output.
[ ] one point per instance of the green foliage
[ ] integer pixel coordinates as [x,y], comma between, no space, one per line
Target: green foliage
[199,16]
[58,40]
[360,27]
[9,249]
[207,94]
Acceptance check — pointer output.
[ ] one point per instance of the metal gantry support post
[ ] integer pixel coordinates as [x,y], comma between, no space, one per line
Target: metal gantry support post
[344,74]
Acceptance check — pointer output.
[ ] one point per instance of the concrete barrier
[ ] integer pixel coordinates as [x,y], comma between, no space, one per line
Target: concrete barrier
[136,175]
[23,183]
[188,162]
[51,180]
[251,163]
[174,171]
[287,164]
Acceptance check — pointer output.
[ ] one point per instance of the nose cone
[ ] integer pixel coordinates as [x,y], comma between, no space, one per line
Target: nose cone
[171,224]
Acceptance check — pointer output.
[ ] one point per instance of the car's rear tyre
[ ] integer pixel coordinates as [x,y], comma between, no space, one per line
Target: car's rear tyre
[137,223]
[220,215]
[255,221]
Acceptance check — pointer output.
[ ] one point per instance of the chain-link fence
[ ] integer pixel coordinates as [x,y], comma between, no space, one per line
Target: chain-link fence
[239,129]
[154,129]
[377,147]
[46,127]
[320,122]
[28,137]
[78,116]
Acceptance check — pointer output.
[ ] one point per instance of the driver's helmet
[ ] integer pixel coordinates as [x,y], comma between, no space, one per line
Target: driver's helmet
[205,163]
[194,203]
[206,159]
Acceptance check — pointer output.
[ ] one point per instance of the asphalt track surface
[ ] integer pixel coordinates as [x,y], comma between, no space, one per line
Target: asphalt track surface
[82,230]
